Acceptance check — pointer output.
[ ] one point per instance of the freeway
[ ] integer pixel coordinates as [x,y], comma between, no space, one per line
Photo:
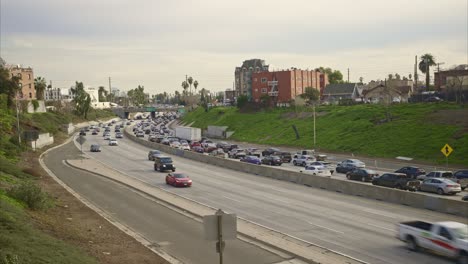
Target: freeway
[361,228]
[169,231]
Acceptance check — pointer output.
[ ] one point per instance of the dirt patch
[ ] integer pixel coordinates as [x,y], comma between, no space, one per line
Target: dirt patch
[302,115]
[457,117]
[73,222]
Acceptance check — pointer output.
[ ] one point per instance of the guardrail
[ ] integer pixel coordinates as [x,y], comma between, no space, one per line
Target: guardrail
[413,199]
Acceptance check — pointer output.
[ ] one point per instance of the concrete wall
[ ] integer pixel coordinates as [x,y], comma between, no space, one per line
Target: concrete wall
[413,199]
[40,109]
[69,128]
[43,140]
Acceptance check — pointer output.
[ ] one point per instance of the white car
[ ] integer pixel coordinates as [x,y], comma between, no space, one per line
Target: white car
[175,144]
[316,170]
[107,137]
[113,142]
[185,146]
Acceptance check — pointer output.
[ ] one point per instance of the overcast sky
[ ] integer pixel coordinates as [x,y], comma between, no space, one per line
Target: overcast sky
[155,43]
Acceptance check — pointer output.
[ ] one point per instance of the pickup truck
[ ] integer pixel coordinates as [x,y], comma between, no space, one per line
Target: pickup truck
[445,238]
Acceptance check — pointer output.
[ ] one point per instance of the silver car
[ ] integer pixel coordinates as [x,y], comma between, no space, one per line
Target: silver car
[440,186]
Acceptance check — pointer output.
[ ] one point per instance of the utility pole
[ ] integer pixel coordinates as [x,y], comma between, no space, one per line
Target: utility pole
[110,89]
[348,75]
[415,73]
[438,71]
[17,119]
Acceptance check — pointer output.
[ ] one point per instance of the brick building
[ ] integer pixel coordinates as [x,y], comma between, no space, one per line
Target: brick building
[455,76]
[26,81]
[285,85]
[243,76]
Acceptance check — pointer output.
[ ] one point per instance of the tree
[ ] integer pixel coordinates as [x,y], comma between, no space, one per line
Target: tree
[195,85]
[265,100]
[9,86]
[40,86]
[334,76]
[137,95]
[190,81]
[242,100]
[185,85]
[81,100]
[427,60]
[311,94]
[102,94]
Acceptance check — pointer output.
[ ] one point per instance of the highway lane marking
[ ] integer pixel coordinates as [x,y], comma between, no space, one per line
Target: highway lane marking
[378,213]
[381,227]
[324,227]
[232,199]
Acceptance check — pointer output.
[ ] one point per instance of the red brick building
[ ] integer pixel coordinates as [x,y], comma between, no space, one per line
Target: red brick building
[285,85]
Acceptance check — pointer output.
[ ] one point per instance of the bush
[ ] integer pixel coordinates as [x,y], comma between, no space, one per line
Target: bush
[35,104]
[31,194]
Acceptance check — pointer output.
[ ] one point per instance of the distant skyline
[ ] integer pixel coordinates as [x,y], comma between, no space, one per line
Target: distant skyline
[156,43]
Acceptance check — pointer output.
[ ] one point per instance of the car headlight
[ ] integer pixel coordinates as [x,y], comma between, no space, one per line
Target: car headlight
[164,165]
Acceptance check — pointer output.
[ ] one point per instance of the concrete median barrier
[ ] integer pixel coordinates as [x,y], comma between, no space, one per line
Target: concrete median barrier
[413,199]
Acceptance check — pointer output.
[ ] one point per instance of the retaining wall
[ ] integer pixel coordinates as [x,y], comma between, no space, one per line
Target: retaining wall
[43,140]
[413,199]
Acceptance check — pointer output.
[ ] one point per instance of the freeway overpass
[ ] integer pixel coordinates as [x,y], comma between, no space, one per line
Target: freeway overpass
[124,112]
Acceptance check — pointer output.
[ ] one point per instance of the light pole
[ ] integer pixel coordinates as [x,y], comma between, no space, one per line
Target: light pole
[313,107]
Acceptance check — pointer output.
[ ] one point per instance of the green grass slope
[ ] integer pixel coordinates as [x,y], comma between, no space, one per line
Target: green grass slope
[416,130]
[20,241]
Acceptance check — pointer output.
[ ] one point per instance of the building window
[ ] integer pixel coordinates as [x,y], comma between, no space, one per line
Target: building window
[255,79]
[264,90]
[256,90]
[20,76]
[30,95]
[264,80]
[29,86]
[29,76]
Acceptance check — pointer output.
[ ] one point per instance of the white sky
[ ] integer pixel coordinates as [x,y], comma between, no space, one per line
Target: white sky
[155,43]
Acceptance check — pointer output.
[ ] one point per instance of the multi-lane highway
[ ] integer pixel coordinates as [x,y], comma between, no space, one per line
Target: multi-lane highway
[361,228]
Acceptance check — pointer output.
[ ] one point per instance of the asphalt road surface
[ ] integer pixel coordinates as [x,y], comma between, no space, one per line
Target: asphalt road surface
[176,234]
[361,228]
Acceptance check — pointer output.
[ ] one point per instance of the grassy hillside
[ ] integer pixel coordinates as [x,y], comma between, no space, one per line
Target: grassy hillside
[416,130]
[20,241]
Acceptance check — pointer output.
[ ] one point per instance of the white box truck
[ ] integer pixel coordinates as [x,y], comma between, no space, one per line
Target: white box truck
[188,133]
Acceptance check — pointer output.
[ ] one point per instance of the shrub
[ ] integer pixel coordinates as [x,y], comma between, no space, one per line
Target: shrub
[31,194]
[35,104]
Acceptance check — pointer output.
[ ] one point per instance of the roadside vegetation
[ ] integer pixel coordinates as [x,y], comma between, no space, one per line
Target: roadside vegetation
[21,241]
[418,131]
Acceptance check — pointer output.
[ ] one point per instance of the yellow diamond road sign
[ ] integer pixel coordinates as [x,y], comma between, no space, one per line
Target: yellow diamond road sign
[446,150]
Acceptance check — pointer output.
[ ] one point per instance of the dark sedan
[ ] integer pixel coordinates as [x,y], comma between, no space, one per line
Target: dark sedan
[411,171]
[345,168]
[364,175]
[272,160]
[198,149]
[153,153]
[251,159]
[270,151]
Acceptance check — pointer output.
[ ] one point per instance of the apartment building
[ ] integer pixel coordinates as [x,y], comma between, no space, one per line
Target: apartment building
[26,81]
[53,94]
[243,76]
[285,85]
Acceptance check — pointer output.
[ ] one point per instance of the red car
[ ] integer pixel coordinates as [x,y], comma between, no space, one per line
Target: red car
[195,144]
[178,179]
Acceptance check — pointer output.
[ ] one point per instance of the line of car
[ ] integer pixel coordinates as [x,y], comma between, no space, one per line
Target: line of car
[407,178]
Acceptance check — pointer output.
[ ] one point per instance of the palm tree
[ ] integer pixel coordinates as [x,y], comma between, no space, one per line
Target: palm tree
[190,81]
[40,86]
[185,85]
[427,60]
[195,85]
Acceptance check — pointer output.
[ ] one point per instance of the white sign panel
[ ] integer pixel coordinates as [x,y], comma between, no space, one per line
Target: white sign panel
[229,226]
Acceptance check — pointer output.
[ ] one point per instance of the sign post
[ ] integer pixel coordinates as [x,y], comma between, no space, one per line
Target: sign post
[81,139]
[220,227]
[446,150]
